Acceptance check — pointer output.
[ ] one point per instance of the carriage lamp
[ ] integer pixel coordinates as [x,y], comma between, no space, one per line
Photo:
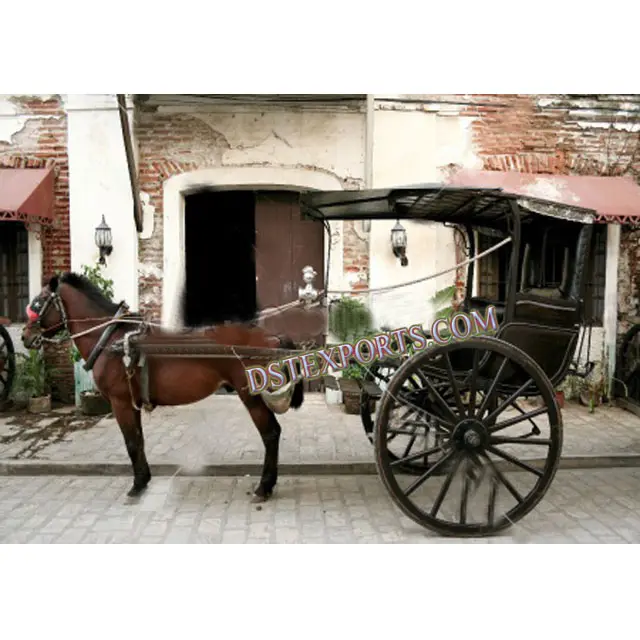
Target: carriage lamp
[103,240]
[399,243]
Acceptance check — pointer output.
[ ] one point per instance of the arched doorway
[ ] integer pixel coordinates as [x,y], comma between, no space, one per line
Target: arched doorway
[244,252]
[284,243]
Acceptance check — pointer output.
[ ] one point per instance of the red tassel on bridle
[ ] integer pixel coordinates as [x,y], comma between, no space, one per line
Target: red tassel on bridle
[31,314]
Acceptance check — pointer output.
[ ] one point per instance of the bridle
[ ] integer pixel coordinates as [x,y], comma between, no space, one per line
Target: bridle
[36,318]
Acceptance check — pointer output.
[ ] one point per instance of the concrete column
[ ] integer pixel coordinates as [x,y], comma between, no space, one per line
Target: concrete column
[99,184]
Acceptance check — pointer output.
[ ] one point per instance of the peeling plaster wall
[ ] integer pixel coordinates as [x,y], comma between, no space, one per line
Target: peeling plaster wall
[33,134]
[174,142]
[416,137]
[567,134]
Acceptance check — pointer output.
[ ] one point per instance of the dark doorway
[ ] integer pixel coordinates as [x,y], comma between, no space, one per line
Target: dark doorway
[220,259]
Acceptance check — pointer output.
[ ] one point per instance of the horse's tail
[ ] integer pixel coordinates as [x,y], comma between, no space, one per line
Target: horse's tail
[298,391]
[298,395]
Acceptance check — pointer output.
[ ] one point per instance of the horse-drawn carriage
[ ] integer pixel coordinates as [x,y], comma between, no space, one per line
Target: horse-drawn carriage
[467,435]
[450,418]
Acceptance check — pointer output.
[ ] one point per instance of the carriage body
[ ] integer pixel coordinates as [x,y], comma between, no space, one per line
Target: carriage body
[540,313]
[457,392]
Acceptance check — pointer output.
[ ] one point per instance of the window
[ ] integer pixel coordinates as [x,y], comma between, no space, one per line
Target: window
[14,270]
[493,271]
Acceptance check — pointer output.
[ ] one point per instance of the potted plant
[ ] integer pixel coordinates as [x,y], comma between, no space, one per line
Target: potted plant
[32,382]
[350,321]
[350,385]
[90,401]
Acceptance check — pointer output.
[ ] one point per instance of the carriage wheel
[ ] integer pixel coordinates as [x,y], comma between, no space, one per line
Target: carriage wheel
[7,364]
[629,362]
[418,437]
[488,472]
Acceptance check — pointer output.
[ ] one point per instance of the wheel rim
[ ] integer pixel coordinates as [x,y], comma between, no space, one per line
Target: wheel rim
[7,364]
[630,363]
[481,478]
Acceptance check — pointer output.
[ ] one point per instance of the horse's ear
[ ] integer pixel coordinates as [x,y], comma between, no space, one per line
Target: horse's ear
[53,284]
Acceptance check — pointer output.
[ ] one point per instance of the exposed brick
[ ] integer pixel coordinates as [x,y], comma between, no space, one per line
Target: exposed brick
[50,150]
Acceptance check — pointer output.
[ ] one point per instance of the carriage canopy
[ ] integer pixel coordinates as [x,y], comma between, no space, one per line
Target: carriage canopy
[487,199]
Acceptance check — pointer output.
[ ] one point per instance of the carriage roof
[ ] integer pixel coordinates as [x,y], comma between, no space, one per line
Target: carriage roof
[477,207]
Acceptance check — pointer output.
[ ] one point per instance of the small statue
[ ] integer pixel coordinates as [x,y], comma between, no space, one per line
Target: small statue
[308,294]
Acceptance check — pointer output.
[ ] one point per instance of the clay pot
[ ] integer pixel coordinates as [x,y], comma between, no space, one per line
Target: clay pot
[39,405]
[93,403]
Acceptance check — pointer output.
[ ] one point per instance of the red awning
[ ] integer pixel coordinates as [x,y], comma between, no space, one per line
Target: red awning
[27,195]
[614,199]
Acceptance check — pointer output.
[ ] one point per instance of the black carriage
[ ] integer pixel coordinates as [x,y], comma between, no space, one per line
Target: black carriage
[7,362]
[468,434]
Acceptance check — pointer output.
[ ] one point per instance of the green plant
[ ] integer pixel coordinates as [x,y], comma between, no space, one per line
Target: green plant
[32,375]
[442,302]
[350,319]
[95,276]
[354,371]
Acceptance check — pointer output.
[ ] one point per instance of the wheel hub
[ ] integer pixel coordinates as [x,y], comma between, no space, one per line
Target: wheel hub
[469,435]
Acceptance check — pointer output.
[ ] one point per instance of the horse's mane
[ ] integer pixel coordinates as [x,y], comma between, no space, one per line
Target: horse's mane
[90,290]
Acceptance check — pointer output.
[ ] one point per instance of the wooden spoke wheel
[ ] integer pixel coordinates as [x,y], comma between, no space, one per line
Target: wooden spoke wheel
[629,363]
[418,435]
[7,364]
[496,459]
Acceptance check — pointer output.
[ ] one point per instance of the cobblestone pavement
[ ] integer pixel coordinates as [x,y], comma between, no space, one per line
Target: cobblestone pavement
[218,430]
[598,506]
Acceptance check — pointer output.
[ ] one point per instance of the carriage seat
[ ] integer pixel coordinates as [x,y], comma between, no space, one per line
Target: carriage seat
[548,307]
[5,322]
[481,304]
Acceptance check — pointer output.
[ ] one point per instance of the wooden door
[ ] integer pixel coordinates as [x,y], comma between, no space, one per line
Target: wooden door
[14,270]
[285,243]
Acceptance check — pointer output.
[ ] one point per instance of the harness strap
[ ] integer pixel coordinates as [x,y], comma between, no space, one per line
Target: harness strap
[104,338]
[144,382]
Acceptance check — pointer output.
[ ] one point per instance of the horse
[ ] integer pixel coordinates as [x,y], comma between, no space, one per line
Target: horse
[72,302]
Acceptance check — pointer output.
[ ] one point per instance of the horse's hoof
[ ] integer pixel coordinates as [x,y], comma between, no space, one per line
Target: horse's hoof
[134,492]
[257,498]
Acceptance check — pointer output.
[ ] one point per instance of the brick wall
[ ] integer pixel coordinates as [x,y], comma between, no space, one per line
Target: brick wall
[566,134]
[168,145]
[43,142]
[171,144]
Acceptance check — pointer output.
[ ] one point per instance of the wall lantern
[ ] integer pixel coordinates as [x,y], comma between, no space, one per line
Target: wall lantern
[399,243]
[103,240]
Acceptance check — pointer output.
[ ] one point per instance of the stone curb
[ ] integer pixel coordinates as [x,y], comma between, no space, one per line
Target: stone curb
[52,468]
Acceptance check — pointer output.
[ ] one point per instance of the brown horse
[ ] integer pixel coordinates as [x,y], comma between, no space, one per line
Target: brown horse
[73,303]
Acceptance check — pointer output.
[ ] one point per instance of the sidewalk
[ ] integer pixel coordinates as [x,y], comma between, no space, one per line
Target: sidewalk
[216,436]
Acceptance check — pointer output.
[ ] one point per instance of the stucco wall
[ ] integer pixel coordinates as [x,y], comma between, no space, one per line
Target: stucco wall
[171,143]
[99,182]
[411,147]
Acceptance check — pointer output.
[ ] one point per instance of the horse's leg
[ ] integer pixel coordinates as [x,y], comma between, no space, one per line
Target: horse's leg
[269,429]
[130,422]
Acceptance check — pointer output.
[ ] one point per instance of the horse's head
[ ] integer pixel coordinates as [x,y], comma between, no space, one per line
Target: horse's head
[46,316]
